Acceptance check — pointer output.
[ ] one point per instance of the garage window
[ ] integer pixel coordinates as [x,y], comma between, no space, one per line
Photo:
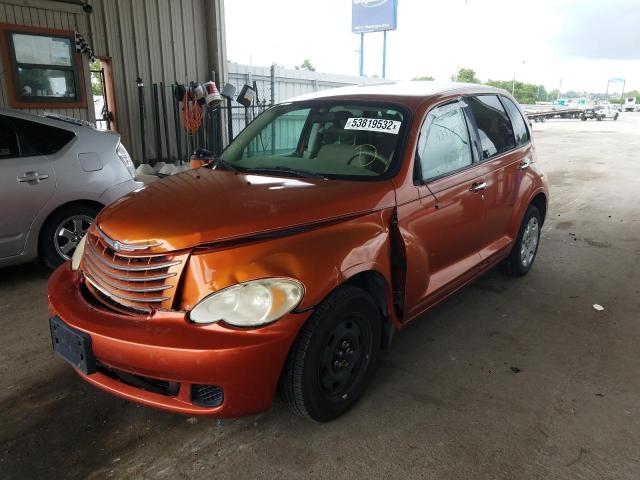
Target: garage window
[44,69]
[494,126]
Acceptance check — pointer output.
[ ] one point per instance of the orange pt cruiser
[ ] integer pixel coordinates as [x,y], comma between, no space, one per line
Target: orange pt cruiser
[329,223]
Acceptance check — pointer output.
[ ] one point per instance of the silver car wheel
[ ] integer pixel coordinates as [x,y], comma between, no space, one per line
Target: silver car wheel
[529,244]
[69,233]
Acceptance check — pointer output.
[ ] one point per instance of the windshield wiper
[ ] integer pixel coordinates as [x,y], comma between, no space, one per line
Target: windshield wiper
[285,170]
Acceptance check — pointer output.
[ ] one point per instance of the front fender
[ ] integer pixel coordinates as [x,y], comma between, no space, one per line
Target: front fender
[321,258]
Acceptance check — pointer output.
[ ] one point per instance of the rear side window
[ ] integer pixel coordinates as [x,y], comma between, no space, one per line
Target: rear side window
[519,125]
[8,141]
[494,126]
[444,145]
[44,139]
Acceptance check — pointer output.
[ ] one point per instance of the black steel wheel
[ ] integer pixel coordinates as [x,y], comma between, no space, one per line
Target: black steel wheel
[334,356]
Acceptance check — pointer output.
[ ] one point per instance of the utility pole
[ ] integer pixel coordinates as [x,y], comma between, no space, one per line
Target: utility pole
[384,55]
[559,89]
[361,54]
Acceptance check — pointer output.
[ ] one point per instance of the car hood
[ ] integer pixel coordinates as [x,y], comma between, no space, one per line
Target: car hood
[204,206]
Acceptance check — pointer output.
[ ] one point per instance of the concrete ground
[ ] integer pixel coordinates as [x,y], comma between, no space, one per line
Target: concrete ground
[513,379]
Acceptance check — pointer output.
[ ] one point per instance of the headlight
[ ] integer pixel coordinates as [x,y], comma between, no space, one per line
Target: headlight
[250,304]
[126,159]
[77,255]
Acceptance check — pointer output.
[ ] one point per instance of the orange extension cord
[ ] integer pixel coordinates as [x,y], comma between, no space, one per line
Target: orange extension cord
[191,115]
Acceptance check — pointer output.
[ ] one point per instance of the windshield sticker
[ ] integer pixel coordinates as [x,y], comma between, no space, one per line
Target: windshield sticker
[373,125]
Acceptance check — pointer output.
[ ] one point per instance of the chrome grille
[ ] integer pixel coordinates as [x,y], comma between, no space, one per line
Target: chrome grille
[130,282]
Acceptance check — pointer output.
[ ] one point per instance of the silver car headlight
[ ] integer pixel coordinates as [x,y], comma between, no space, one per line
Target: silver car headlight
[124,156]
[78,253]
[250,304]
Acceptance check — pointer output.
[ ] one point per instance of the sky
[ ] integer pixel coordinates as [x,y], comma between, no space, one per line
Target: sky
[578,44]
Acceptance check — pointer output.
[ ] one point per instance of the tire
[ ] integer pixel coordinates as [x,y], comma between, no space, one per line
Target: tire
[317,381]
[525,249]
[55,248]
[583,118]
[616,117]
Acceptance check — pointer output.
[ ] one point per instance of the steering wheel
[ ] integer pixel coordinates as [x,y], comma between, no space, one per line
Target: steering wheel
[366,155]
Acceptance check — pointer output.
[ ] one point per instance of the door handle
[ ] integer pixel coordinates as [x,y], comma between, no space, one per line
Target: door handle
[524,165]
[476,187]
[32,177]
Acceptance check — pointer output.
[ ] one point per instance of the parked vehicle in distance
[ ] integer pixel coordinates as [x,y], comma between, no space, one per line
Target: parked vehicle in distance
[630,105]
[599,112]
[330,222]
[608,112]
[56,173]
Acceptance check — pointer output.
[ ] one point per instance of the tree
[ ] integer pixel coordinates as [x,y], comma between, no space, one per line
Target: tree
[306,65]
[426,78]
[96,80]
[465,75]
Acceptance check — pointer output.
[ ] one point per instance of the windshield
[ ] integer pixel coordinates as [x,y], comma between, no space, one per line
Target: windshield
[333,140]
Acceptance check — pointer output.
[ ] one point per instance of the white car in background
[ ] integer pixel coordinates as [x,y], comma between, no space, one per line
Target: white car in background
[56,173]
[607,112]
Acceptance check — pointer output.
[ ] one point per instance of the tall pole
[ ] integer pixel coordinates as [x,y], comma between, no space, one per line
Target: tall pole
[513,84]
[622,94]
[559,89]
[361,54]
[384,55]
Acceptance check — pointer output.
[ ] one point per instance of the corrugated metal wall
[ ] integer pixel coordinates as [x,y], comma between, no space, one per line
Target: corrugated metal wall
[156,40]
[289,83]
[40,14]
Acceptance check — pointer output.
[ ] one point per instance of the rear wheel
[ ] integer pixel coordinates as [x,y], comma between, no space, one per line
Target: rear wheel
[525,249]
[62,232]
[334,356]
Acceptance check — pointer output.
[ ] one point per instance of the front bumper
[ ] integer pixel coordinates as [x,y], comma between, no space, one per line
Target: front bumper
[246,364]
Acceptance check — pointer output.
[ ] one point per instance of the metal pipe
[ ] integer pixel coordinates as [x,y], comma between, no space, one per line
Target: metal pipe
[230,119]
[143,140]
[156,122]
[165,120]
[176,117]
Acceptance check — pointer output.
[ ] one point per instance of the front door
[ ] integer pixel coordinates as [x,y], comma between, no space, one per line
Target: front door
[26,183]
[448,225]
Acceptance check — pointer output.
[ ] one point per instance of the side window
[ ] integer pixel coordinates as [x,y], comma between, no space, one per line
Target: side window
[44,139]
[8,141]
[285,131]
[494,126]
[519,125]
[444,145]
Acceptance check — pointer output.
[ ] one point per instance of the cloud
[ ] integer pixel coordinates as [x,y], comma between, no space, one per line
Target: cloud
[600,30]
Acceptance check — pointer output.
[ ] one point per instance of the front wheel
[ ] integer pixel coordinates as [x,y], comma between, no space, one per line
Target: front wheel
[616,117]
[334,356]
[525,249]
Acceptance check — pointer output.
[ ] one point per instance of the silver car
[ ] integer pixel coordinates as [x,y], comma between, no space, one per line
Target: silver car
[56,173]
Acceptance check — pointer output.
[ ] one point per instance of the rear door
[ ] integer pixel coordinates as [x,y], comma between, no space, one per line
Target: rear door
[502,158]
[26,183]
[449,225]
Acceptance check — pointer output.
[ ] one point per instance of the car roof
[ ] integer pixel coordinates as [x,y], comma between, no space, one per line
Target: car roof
[59,121]
[408,90]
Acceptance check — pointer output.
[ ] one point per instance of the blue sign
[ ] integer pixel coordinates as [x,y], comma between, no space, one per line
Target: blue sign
[373,15]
